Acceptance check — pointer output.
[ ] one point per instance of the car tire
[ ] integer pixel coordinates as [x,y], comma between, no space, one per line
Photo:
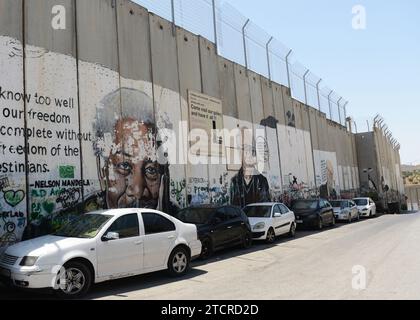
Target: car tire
[247,240]
[271,236]
[207,249]
[292,232]
[179,262]
[333,223]
[350,219]
[81,279]
[320,225]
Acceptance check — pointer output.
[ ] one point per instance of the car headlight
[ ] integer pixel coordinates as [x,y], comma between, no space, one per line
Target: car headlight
[28,261]
[259,226]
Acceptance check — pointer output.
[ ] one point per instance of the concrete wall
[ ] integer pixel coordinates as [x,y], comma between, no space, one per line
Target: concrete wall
[119,77]
[379,166]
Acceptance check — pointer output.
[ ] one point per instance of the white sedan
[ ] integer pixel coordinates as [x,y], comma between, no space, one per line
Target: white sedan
[345,210]
[366,207]
[270,220]
[102,246]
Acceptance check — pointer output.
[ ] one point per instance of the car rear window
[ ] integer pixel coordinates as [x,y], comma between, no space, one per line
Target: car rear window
[305,205]
[195,215]
[258,211]
[361,202]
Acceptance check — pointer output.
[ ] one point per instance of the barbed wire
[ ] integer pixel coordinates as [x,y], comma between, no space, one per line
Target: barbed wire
[240,40]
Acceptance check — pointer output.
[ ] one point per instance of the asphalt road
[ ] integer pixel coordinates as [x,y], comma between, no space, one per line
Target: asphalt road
[315,265]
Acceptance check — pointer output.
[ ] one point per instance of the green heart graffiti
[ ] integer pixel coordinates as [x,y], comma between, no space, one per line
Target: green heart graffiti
[48,207]
[14,198]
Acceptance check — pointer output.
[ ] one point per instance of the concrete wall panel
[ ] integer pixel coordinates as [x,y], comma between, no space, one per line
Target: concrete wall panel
[168,102]
[243,97]
[228,87]
[190,79]
[13,186]
[51,78]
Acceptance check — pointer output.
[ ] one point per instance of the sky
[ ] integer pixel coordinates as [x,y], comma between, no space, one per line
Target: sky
[377,68]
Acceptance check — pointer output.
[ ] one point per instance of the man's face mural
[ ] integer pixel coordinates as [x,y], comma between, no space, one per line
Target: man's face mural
[132,172]
[130,175]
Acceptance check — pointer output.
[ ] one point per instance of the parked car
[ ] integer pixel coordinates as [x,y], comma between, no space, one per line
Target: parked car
[345,210]
[313,213]
[270,220]
[366,207]
[101,246]
[219,227]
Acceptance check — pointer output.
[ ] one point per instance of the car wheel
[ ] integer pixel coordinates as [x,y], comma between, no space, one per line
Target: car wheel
[350,219]
[370,214]
[320,224]
[271,236]
[292,232]
[333,223]
[207,249]
[247,240]
[179,262]
[73,281]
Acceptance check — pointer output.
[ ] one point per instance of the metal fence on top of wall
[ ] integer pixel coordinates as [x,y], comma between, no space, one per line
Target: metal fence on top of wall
[240,40]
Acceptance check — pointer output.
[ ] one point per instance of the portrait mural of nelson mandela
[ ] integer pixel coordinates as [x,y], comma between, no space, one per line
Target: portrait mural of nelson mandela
[132,171]
[131,168]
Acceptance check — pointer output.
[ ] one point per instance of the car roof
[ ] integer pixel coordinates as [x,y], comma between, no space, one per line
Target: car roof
[121,212]
[363,198]
[210,206]
[264,204]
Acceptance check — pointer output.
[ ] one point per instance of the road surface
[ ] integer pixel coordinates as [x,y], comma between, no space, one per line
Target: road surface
[315,265]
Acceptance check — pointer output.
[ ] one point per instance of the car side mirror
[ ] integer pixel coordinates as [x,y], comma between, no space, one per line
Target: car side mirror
[277,215]
[110,236]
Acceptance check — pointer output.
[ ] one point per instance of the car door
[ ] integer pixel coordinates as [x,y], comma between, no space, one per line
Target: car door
[354,210]
[224,228]
[326,211]
[123,256]
[160,238]
[276,218]
[372,206]
[288,217]
[235,224]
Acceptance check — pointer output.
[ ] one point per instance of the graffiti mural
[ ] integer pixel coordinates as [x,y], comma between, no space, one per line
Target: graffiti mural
[326,171]
[80,137]
[249,185]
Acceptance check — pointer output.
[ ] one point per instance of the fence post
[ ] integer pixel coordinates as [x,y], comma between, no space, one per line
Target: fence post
[319,97]
[288,71]
[268,57]
[329,103]
[215,26]
[345,111]
[339,110]
[244,40]
[304,86]
[173,17]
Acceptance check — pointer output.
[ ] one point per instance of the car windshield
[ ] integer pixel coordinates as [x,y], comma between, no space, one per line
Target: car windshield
[86,226]
[361,202]
[195,215]
[340,204]
[258,211]
[305,205]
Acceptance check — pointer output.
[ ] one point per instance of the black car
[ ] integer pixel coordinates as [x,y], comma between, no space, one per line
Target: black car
[313,213]
[219,227]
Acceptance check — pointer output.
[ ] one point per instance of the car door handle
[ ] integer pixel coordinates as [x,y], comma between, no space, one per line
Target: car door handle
[230,227]
[137,243]
[171,237]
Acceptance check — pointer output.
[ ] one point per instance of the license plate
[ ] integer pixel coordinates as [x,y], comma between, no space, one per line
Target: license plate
[4,272]
[299,221]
